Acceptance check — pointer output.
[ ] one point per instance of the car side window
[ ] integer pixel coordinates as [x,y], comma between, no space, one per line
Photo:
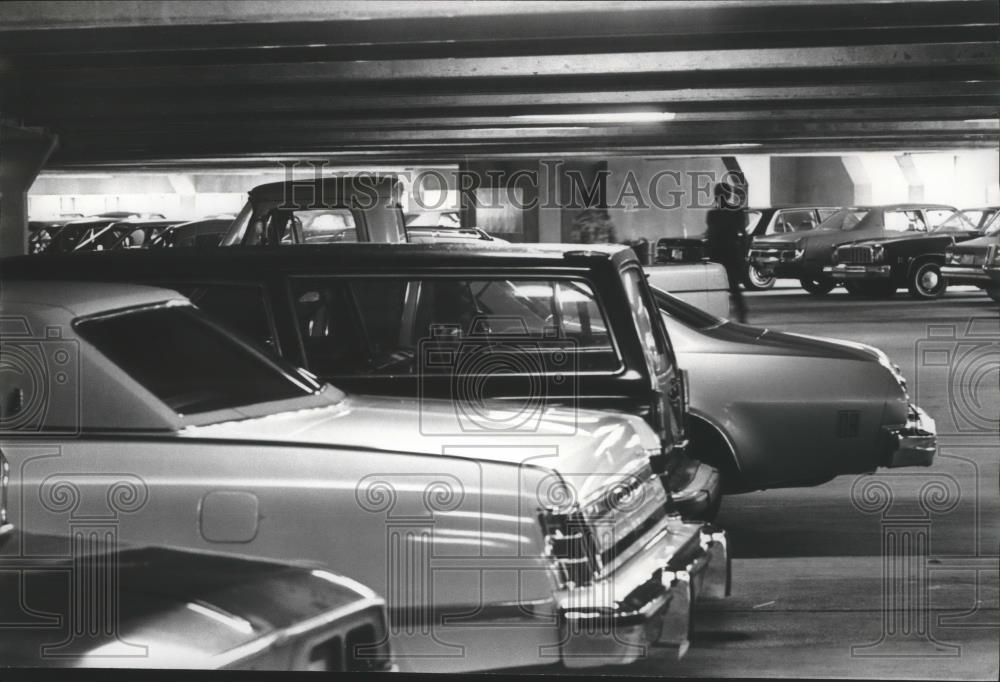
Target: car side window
[936,216]
[793,221]
[241,307]
[381,325]
[652,345]
[904,221]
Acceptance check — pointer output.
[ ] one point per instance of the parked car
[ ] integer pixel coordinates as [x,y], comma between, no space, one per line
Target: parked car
[362,208]
[554,543]
[762,222]
[847,411]
[170,608]
[976,261]
[912,259]
[204,233]
[104,234]
[577,326]
[803,256]
[707,289]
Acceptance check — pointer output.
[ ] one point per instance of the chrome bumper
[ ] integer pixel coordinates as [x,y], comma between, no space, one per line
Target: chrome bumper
[844,271]
[701,496]
[648,601]
[913,443]
[971,274]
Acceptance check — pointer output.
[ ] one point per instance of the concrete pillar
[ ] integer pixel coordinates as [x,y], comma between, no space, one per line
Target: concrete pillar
[23,152]
[914,181]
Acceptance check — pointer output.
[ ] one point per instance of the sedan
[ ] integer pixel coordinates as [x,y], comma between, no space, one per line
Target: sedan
[772,409]
[493,547]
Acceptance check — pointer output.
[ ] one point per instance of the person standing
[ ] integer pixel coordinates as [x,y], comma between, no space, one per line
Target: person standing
[726,237]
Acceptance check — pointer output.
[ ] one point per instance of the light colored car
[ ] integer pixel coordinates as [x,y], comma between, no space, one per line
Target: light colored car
[781,410]
[495,543]
[704,285]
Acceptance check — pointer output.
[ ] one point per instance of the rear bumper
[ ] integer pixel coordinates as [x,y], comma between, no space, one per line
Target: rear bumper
[844,272]
[913,443]
[648,602]
[702,494]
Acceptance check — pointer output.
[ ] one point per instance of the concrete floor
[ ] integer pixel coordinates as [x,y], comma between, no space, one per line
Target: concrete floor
[808,570]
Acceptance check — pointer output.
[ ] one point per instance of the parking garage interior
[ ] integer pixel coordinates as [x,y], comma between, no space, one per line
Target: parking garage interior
[526,119]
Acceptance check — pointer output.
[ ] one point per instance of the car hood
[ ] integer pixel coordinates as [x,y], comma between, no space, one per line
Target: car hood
[903,238]
[563,439]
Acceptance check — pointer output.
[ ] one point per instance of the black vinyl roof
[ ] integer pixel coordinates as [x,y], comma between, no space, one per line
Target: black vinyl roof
[313,257]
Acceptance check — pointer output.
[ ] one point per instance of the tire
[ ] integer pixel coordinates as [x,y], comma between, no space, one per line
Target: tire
[994,293]
[926,282]
[754,280]
[817,286]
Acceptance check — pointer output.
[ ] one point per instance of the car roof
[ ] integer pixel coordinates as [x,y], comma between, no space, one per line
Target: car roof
[478,254]
[67,301]
[332,189]
[911,206]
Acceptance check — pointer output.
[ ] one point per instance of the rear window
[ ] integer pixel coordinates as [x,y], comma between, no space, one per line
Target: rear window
[186,361]
[387,325]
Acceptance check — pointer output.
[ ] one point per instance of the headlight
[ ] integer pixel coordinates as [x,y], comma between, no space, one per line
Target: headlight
[995,252]
[798,254]
[878,253]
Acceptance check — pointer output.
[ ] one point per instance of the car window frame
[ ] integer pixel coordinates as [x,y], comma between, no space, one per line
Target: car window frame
[296,327]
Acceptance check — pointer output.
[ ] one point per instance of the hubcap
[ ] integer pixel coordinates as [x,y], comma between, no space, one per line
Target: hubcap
[929,279]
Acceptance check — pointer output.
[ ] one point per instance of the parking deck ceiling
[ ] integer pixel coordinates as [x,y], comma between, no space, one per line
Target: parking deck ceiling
[181,83]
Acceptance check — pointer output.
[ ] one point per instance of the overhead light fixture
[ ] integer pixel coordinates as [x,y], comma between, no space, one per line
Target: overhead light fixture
[980,120]
[598,117]
[739,145]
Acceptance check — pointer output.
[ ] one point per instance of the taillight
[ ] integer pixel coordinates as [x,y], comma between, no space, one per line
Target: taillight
[571,544]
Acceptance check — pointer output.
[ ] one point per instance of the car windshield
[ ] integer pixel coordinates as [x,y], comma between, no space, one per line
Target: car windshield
[845,219]
[180,356]
[956,222]
[993,227]
[684,312]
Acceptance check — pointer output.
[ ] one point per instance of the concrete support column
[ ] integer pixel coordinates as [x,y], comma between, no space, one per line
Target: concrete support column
[914,181]
[23,152]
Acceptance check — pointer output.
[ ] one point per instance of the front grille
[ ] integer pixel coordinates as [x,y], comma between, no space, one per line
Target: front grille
[855,255]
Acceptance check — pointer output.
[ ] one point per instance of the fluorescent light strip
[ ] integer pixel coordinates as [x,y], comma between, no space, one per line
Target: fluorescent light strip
[609,117]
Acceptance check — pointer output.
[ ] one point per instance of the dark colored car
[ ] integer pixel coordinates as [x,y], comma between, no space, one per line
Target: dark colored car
[976,261]
[533,325]
[86,601]
[911,259]
[762,222]
[361,208]
[803,256]
[204,233]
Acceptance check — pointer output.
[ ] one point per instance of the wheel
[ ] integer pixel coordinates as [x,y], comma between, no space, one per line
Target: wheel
[926,281]
[817,286]
[755,280]
[994,293]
